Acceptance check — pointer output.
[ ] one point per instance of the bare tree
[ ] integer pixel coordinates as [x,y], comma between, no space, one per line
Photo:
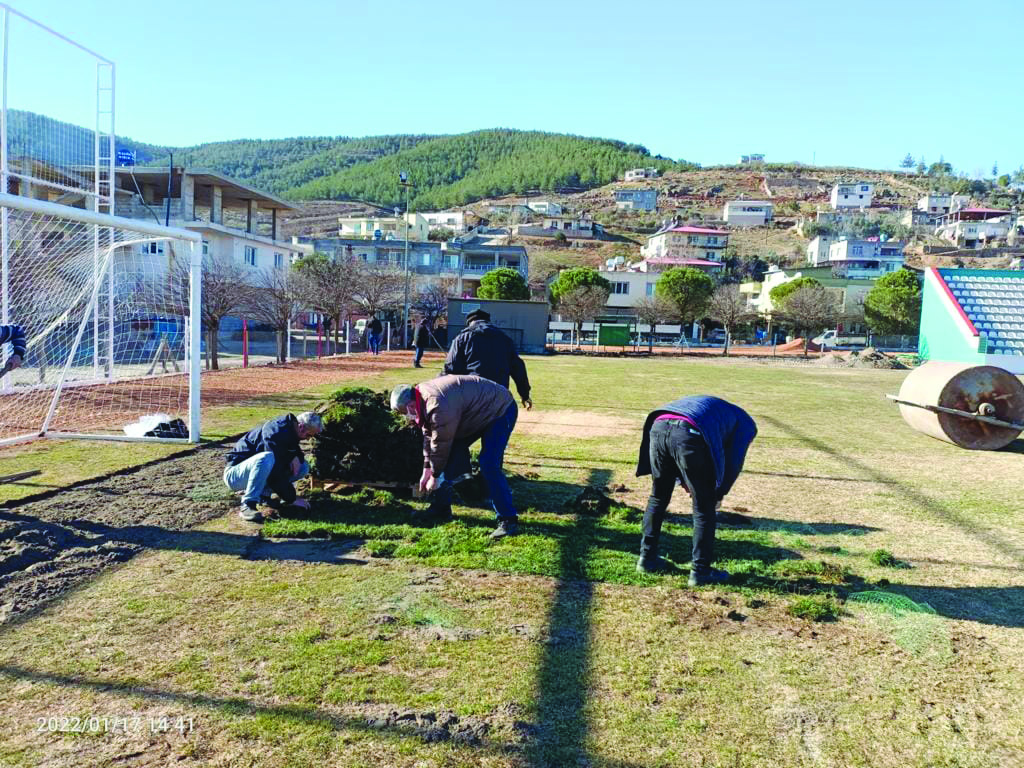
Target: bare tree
[431,303]
[328,285]
[729,307]
[652,310]
[582,304]
[379,286]
[275,301]
[225,292]
[810,309]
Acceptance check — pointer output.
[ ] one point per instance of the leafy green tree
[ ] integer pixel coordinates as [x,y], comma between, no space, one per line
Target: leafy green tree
[893,305]
[1004,180]
[688,288]
[441,234]
[908,161]
[921,167]
[995,169]
[780,293]
[577,277]
[503,283]
[940,168]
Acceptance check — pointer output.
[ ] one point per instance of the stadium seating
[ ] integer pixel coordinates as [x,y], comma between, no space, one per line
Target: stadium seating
[994,304]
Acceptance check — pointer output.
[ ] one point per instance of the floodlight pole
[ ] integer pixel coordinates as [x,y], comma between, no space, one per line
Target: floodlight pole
[404,181]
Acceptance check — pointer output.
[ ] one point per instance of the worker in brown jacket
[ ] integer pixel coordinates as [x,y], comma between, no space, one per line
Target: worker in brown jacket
[454,412]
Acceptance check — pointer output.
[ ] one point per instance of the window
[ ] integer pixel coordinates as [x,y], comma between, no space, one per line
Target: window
[250,256]
[620,288]
[206,247]
[357,228]
[864,188]
[153,248]
[650,289]
[857,250]
[278,260]
[425,259]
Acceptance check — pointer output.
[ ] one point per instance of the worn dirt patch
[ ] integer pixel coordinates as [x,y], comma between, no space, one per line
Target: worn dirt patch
[50,545]
[575,423]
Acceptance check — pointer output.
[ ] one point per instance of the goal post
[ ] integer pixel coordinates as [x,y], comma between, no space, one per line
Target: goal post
[111,312]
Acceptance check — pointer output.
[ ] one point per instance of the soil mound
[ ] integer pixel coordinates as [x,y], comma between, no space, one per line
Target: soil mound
[870,357]
[797,345]
[590,502]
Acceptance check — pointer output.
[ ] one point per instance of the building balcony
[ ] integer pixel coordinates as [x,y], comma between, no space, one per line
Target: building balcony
[472,270]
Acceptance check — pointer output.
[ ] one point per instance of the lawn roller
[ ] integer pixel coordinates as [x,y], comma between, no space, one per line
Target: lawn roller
[979,407]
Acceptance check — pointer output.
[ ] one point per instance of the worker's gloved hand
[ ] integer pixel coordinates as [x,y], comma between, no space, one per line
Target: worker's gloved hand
[527,403]
[300,503]
[14,362]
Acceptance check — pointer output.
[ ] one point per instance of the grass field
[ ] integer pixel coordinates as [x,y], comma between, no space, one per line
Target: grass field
[877,617]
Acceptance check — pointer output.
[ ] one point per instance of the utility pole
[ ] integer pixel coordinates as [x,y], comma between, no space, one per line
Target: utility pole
[403,180]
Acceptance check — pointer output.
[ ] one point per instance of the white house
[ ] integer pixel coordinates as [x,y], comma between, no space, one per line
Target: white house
[638,174]
[817,250]
[389,227]
[685,246]
[629,287]
[865,259]
[755,159]
[748,213]
[857,194]
[942,204]
[545,207]
[975,227]
[453,220]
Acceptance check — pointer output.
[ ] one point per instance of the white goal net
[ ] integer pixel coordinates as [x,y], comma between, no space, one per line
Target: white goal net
[106,307]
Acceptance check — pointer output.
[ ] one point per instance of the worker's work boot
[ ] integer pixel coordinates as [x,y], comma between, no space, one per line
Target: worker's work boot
[651,564]
[250,514]
[506,527]
[702,577]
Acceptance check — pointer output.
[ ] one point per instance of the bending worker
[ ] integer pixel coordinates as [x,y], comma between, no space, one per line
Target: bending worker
[14,334]
[454,412]
[268,459]
[702,442]
[481,349]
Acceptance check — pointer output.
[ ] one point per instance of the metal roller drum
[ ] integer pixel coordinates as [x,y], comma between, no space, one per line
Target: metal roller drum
[979,407]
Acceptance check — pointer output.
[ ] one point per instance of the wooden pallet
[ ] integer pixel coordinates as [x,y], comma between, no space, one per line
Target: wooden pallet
[320,484]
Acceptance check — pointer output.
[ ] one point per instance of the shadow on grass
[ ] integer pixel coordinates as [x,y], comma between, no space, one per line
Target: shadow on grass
[563,678]
[998,606]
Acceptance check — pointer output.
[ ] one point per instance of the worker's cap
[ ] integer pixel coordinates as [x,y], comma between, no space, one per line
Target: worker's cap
[401,396]
[477,314]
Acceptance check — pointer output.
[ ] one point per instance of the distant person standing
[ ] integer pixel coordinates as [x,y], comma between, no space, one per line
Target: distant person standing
[483,350]
[701,441]
[420,340]
[374,331]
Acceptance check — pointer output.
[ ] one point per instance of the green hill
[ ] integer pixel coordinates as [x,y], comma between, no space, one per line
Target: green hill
[452,170]
[446,170]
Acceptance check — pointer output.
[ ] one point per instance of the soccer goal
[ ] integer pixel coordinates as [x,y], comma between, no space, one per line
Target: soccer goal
[110,308]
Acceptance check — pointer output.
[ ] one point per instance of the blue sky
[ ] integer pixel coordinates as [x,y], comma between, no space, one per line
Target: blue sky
[855,84]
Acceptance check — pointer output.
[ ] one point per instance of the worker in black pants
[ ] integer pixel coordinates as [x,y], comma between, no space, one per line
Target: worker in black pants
[700,441]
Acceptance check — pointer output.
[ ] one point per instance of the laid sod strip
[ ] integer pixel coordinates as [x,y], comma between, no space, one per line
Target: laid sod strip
[565,546]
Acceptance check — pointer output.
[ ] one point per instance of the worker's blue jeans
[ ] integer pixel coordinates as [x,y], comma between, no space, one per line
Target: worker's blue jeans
[374,339]
[492,454]
[250,477]
[679,453]
[419,356]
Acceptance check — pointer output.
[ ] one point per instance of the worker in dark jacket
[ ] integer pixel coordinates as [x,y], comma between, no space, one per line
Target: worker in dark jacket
[374,333]
[420,340]
[702,442]
[269,459]
[486,351]
[15,335]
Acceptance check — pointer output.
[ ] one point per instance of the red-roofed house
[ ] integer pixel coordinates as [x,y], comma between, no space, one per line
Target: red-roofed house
[684,246]
[975,227]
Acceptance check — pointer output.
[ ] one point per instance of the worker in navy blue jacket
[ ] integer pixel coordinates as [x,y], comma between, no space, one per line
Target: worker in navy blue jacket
[700,441]
[484,350]
[14,334]
[269,459]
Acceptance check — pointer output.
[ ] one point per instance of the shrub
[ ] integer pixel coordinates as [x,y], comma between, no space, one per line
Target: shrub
[815,608]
